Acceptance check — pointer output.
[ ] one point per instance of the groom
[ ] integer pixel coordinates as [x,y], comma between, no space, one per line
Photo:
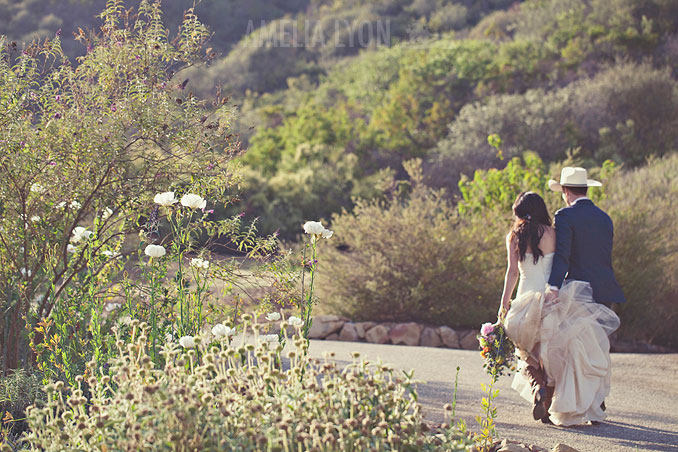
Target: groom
[584,236]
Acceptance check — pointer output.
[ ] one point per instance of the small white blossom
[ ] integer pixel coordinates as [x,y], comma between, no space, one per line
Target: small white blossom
[271,338]
[219,330]
[70,248]
[61,205]
[109,253]
[126,320]
[37,188]
[313,227]
[295,321]
[273,316]
[187,342]
[80,233]
[75,205]
[107,213]
[155,251]
[35,218]
[196,262]
[165,199]
[326,234]
[26,273]
[193,201]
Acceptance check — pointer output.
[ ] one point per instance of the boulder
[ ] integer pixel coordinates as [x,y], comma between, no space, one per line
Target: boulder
[512,446]
[332,337]
[405,333]
[468,340]
[377,335]
[449,337]
[430,338]
[324,325]
[349,333]
[362,327]
[560,447]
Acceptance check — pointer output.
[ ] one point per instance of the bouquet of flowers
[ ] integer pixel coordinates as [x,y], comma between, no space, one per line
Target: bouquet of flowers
[497,350]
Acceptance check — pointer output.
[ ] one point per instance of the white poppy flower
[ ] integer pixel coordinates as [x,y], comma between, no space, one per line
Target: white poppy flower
[273,316]
[295,321]
[35,218]
[107,213]
[327,233]
[193,201]
[271,338]
[196,262]
[37,188]
[126,320]
[155,251]
[75,205]
[220,330]
[70,248]
[165,199]
[187,341]
[80,233]
[313,227]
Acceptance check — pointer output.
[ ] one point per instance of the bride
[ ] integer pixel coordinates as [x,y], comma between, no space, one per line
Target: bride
[563,347]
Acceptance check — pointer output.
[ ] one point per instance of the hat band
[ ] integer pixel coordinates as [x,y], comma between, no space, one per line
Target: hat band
[575,185]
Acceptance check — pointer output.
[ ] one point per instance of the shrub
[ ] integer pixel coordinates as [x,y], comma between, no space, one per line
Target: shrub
[18,390]
[642,205]
[624,113]
[413,258]
[226,396]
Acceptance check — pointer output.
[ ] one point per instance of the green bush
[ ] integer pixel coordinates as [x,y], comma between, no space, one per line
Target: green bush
[18,390]
[414,258]
[233,394]
[642,205]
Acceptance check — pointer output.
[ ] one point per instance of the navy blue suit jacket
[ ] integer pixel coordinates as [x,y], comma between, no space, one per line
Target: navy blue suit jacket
[584,236]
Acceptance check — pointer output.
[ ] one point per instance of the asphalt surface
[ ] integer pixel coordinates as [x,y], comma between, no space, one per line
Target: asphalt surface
[642,407]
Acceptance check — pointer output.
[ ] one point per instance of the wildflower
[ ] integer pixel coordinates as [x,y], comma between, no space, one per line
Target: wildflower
[187,341]
[75,205]
[486,329]
[37,188]
[295,321]
[109,253]
[165,199]
[80,233]
[155,251]
[271,338]
[272,316]
[326,234]
[107,213]
[196,262]
[193,201]
[219,330]
[70,248]
[26,273]
[313,227]
[61,205]
[35,218]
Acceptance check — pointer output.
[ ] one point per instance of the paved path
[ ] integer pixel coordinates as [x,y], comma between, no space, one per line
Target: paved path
[642,408]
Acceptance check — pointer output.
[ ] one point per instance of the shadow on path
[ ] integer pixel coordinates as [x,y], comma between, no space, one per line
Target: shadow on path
[628,435]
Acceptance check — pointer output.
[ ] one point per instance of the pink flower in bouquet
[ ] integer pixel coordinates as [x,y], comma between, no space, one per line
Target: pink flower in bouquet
[486,329]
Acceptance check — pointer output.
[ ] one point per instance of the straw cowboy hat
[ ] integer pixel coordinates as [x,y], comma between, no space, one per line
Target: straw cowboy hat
[573,177]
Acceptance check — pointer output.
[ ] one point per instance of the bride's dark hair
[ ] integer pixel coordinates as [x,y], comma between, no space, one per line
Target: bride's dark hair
[532,218]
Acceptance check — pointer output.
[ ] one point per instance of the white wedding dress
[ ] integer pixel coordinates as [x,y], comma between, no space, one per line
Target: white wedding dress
[569,337]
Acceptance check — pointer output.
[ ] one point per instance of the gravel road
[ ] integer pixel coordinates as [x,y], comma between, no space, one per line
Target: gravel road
[642,407]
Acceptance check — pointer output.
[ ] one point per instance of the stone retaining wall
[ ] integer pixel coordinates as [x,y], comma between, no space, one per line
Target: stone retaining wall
[335,328]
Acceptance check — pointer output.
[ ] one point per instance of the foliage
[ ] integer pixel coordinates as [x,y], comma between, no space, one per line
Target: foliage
[18,390]
[83,148]
[412,258]
[624,113]
[641,203]
[232,396]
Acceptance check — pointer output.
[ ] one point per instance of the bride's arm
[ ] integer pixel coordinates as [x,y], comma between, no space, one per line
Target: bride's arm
[512,274]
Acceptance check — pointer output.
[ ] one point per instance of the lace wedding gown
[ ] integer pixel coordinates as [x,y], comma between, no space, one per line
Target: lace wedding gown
[569,337]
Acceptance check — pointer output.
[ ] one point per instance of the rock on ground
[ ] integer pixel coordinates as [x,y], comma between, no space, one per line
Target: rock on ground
[405,333]
[377,335]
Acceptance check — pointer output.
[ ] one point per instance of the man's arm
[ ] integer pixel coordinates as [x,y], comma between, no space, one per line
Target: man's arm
[561,260]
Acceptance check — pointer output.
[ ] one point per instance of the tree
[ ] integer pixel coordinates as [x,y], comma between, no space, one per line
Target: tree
[84,147]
